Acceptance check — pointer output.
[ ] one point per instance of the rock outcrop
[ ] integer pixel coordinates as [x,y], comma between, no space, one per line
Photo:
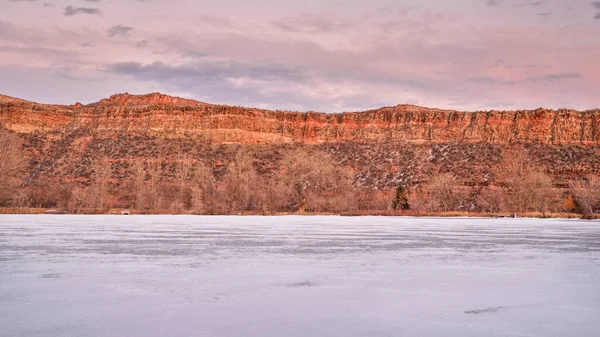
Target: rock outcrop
[165,116]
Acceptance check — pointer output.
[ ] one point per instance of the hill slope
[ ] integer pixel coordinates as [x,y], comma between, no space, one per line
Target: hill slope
[382,148]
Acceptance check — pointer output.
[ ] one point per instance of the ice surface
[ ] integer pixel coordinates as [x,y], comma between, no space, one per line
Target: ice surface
[124,276]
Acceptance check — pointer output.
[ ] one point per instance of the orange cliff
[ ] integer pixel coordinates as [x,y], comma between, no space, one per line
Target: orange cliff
[167,116]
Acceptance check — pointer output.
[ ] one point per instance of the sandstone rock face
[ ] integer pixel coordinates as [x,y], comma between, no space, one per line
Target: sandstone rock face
[383,148]
[165,116]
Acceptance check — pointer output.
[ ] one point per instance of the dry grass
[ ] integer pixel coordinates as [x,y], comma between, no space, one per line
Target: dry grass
[15,210]
[540,215]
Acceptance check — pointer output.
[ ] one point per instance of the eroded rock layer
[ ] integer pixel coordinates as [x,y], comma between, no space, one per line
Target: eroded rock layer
[165,116]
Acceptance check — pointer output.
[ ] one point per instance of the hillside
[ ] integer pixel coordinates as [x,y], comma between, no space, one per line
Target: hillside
[381,148]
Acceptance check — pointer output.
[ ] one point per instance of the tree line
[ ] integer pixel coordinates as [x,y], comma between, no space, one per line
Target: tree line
[305,180]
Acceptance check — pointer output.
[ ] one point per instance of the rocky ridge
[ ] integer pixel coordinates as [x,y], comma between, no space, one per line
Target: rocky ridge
[167,116]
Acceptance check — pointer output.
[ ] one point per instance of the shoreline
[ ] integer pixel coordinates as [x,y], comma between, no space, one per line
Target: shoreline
[417,214]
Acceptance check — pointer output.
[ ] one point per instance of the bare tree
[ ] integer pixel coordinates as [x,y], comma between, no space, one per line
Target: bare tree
[275,195]
[11,159]
[204,190]
[527,187]
[375,200]
[313,179]
[183,172]
[540,191]
[154,173]
[490,199]
[64,196]
[21,199]
[80,199]
[442,193]
[587,194]
[11,163]
[101,179]
[145,184]
[513,174]
[139,184]
[242,184]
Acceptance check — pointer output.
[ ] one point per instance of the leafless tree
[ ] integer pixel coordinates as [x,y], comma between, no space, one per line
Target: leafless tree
[139,184]
[145,183]
[541,193]
[242,184]
[527,187]
[490,199]
[442,193]
[11,159]
[275,195]
[101,179]
[21,199]
[203,189]
[183,171]
[587,194]
[312,178]
[374,200]
[154,173]
[12,163]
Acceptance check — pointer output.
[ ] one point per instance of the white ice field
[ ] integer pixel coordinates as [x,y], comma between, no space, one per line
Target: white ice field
[176,276]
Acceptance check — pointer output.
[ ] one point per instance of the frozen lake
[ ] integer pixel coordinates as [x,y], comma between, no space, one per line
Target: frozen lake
[127,276]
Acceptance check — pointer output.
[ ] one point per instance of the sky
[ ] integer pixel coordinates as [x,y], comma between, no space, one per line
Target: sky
[310,55]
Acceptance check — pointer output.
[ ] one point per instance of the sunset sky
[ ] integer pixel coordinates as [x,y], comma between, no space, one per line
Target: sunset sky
[321,55]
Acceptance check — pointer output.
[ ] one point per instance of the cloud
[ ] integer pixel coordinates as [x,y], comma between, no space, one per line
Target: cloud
[70,11]
[404,65]
[50,85]
[310,24]
[10,32]
[491,80]
[216,21]
[206,70]
[119,30]
[554,77]
[38,51]
[377,62]
[545,15]
[332,58]
[596,5]
[267,85]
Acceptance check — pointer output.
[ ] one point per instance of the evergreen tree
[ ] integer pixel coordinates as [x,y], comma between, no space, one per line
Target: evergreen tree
[400,201]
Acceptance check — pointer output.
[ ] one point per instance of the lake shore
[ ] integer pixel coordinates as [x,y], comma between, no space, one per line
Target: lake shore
[409,213]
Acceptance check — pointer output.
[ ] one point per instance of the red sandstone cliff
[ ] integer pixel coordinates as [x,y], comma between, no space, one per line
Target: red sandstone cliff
[166,116]
[383,148]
